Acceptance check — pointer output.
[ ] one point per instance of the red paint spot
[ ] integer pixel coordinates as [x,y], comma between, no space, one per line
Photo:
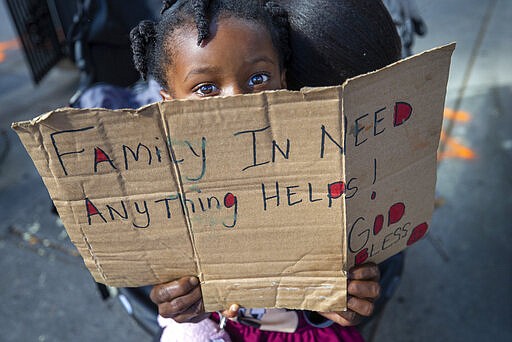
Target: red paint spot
[91,209]
[396,212]
[229,200]
[377,225]
[99,155]
[362,256]
[403,112]
[417,233]
[336,189]
[374,194]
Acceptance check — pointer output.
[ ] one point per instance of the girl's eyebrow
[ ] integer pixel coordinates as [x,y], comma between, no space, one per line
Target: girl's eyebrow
[202,70]
[263,58]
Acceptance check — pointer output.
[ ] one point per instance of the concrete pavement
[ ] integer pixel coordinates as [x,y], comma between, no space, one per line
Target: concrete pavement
[456,283]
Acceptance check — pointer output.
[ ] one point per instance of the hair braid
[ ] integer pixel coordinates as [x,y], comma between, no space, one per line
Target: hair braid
[166,4]
[143,38]
[201,19]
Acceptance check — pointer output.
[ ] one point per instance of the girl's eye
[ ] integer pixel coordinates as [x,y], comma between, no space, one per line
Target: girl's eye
[258,79]
[207,89]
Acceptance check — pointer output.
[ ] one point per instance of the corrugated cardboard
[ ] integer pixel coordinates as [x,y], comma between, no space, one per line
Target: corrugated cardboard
[268,198]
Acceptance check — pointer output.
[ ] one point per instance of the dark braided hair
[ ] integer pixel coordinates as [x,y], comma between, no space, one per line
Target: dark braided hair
[153,50]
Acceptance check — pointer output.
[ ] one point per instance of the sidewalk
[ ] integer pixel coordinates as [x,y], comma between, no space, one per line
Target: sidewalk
[456,283]
[46,292]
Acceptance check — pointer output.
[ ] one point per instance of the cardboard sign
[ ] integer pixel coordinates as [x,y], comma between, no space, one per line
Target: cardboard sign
[268,198]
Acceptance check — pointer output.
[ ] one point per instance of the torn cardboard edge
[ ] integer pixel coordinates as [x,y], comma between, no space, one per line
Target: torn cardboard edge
[249,277]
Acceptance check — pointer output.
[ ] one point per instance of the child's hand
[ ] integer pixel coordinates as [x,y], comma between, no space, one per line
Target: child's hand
[363,290]
[182,301]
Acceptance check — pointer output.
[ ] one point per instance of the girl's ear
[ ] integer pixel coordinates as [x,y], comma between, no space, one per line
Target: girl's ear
[165,95]
[283,79]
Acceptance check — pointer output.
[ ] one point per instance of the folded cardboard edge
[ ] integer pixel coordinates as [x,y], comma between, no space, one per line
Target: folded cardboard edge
[177,175]
[40,119]
[450,47]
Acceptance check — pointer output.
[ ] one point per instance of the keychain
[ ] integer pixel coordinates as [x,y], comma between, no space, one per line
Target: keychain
[222,321]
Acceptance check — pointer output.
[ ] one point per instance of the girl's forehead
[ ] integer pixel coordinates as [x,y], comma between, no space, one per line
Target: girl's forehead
[188,30]
[240,23]
[227,35]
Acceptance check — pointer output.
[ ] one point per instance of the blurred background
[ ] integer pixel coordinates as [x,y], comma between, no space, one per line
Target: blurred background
[456,284]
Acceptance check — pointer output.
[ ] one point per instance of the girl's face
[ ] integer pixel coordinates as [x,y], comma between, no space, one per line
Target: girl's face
[238,58]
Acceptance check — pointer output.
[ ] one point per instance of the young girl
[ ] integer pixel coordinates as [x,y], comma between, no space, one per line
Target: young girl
[221,47]
[210,48]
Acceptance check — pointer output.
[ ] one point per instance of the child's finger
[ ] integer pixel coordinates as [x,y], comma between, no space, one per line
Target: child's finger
[193,314]
[364,289]
[190,303]
[232,312]
[364,272]
[166,292]
[360,306]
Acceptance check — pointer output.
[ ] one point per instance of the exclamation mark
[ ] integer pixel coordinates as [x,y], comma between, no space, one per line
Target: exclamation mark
[374,194]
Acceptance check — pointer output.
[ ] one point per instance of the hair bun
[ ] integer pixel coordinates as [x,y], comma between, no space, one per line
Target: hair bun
[142,39]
